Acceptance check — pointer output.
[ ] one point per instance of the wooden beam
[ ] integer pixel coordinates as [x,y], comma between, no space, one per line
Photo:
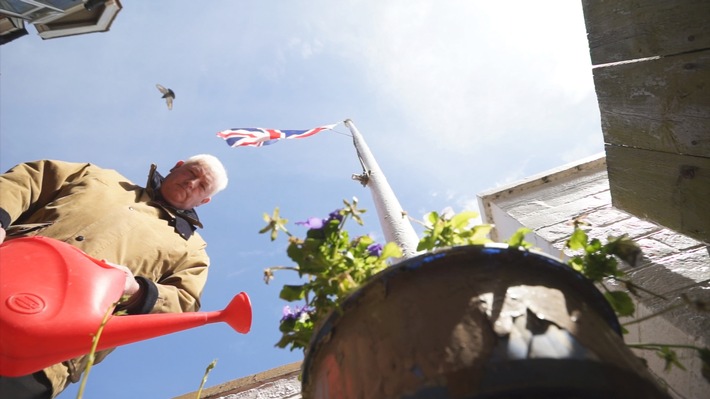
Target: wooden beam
[661,104]
[620,30]
[670,189]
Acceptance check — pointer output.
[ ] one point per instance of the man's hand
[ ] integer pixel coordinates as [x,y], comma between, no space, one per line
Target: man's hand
[131,287]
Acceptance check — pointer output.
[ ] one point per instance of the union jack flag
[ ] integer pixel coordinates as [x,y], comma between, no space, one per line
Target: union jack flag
[257,137]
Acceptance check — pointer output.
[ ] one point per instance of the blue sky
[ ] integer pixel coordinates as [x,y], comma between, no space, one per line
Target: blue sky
[452,97]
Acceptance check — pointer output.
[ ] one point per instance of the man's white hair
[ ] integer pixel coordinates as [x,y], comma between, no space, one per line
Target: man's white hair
[219,173]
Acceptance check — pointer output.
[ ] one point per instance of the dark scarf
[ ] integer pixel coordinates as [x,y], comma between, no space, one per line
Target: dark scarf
[184,221]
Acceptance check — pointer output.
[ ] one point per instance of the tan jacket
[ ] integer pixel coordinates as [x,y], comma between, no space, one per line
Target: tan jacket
[108,217]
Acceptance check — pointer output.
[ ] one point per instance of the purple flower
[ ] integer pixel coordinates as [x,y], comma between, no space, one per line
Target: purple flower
[294,314]
[374,249]
[335,215]
[287,313]
[312,223]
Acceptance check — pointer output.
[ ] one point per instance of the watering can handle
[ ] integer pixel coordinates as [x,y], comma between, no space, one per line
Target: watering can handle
[131,285]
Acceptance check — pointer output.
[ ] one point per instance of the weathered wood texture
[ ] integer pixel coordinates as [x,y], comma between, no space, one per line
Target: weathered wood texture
[652,78]
[621,30]
[661,105]
[671,189]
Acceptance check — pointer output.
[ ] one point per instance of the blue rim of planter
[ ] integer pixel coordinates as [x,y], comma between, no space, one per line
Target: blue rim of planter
[583,285]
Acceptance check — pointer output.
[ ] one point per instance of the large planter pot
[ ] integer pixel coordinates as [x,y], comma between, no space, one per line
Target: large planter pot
[475,322]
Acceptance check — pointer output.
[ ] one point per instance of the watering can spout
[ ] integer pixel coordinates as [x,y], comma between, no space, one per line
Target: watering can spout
[122,330]
[53,299]
[238,313]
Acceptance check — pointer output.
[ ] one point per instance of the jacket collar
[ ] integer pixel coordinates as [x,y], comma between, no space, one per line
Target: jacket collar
[185,221]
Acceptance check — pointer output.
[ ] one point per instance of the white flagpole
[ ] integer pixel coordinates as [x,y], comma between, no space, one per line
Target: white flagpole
[393,220]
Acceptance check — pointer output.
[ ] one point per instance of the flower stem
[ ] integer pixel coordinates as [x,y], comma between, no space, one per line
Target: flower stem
[660,312]
[204,377]
[654,346]
[638,287]
[294,268]
[92,353]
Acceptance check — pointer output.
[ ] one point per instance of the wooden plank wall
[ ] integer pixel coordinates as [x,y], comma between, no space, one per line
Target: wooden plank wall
[651,67]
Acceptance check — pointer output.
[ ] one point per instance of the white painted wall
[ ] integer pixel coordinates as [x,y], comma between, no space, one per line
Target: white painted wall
[673,264]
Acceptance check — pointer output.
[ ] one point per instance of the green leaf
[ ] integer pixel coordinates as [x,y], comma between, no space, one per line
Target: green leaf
[287,325]
[480,234]
[293,292]
[426,243]
[313,264]
[284,341]
[295,251]
[670,357]
[577,263]
[315,233]
[518,238]
[625,248]
[704,354]
[312,245]
[432,217]
[462,219]
[621,302]
[437,229]
[578,240]
[391,250]
[598,265]
[363,241]
[594,245]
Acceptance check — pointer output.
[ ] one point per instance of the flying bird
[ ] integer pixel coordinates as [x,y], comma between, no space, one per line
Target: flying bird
[168,95]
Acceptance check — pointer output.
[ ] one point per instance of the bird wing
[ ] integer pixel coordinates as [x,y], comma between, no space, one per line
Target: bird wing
[162,89]
[169,101]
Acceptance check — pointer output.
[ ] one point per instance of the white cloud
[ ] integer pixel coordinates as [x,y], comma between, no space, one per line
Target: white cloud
[305,49]
[468,72]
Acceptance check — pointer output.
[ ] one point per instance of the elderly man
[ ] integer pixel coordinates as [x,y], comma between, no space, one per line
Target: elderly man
[148,232]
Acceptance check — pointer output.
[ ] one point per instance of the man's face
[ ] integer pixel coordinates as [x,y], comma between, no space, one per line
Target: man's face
[187,186]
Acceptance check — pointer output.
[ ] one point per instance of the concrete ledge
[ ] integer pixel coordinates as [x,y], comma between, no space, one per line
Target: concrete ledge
[283,378]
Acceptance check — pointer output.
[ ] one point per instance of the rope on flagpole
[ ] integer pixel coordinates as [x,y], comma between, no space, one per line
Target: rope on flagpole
[363,177]
[395,225]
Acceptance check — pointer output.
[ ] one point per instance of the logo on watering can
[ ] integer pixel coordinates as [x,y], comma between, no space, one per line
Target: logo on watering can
[25,303]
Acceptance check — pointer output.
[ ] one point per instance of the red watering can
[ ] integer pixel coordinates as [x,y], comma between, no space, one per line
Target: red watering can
[53,298]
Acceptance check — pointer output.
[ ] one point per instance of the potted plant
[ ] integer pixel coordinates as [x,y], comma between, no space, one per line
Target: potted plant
[466,318]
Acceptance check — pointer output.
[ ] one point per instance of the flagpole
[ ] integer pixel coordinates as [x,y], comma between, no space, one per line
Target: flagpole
[393,220]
